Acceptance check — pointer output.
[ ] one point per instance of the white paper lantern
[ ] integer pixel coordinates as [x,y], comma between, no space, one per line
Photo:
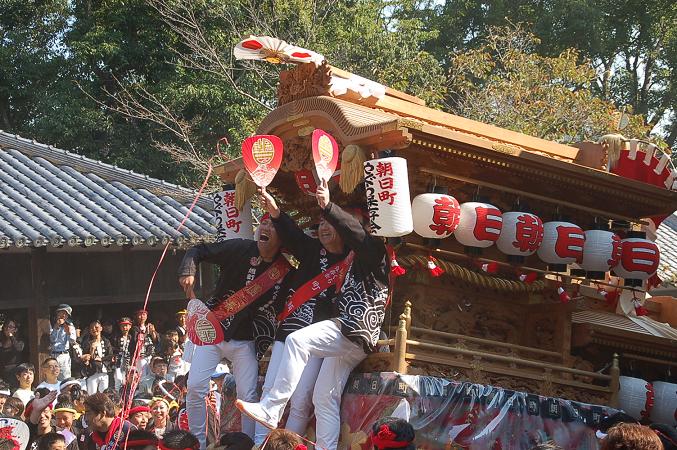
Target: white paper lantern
[665,403]
[231,223]
[386,183]
[562,244]
[601,252]
[435,215]
[639,260]
[635,397]
[521,234]
[480,225]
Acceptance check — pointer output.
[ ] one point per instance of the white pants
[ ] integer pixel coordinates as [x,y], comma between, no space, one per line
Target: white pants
[300,402]
[97,383]
[64,360]
[143,366]
[319,340]
[120,377]
[242,355]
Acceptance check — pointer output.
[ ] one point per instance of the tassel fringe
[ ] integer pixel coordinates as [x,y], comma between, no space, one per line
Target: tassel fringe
[352,168]
[244,189]
[434,269]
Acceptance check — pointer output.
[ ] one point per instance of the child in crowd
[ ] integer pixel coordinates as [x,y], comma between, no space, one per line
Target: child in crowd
[25,374]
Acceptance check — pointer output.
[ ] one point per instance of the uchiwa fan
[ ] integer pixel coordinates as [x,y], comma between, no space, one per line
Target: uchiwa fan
[273,50]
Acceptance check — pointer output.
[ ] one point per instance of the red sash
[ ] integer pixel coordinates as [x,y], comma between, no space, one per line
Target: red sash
[204,326]
[333,276]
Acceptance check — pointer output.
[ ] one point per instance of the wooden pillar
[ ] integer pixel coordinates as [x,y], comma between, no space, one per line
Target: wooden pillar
[407,313]
[38,311]
[400,351]
[615,385]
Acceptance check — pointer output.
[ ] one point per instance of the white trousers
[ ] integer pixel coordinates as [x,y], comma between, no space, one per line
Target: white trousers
[319,340]
[300,401]
[64,360]
[97,383]
[242,355]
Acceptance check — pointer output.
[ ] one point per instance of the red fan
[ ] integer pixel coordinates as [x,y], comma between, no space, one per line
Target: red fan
[203,327]
[325,154]
[262,156]
[273,50]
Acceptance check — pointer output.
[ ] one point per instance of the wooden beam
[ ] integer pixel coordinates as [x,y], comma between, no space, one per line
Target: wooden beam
[38,310]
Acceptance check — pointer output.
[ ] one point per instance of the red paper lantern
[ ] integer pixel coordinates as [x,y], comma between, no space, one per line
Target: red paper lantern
[435,215]
[601,252]
[479,226]
[562,244]
[639,259]
[521,235]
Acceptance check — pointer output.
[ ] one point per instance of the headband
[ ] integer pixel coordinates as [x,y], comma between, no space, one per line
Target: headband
[160,399]
[125,322]
[70,410]
[385,438]
[4,392]
[161,445]
[68,383]
[138,409]
[141,443]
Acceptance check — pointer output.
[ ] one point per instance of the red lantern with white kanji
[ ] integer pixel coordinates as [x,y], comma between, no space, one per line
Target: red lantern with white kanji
[479,226]
[639,259]
[386,184]
[521,235]
[562,244]
[601,252]
[231,223]
[435,216]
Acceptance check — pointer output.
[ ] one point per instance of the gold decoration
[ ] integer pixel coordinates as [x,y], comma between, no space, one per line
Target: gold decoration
[352,441]
[352,168]
[244,188]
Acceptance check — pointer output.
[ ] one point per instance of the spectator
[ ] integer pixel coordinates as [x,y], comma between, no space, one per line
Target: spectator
[122,345]
[181,326]
[97,355]
[281,439]
[631,436]
[180,440]
[391,433]
[39,417]
[159,409]
[62,339]
[106,429]
[159,372]
[150,340]
[171,351]
[24,375]
[4,393]
[14,407]
[65,416]
[50,371]
[107,329]
[141,440]
[235,441]
[11,348]
[139,414]
[51,441]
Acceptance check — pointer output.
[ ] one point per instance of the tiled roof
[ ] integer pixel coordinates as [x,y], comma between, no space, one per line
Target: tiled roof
[667,241]
[51,197]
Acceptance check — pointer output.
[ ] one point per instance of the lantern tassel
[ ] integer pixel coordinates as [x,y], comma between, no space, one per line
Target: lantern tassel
[434,269]
[528,277]
[610,297]
[488,267]
[395,269]
[352,168]
[563,296]
[613,144]
[654,281]
[244,189]
[640,309]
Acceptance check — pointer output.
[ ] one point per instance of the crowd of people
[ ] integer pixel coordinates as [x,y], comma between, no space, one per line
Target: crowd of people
[318,315]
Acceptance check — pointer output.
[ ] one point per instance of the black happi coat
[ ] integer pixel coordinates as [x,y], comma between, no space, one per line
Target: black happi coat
[363,296]
[106,356]
[239,262]
[314,259]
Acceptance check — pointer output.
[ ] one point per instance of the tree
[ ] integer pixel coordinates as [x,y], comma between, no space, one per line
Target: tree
[506,83]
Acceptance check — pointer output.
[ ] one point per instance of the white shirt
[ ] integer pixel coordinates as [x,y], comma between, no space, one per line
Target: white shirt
[25,395]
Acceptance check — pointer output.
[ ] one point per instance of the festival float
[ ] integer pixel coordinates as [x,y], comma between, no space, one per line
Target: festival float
[520,267]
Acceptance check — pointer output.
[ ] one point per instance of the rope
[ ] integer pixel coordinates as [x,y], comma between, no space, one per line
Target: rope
[475,278]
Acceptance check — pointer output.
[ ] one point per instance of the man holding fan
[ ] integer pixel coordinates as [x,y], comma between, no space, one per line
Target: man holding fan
[342,341]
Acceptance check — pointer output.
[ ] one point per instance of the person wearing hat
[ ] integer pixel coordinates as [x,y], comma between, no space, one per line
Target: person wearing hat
[62,338]
[345,337]
[122,349]
[66,416]
[255,271]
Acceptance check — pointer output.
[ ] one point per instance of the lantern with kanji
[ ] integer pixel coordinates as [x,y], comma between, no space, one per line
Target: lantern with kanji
[386,185]
[231,222]
[479,226]
[636,397]
[521,235]
[601,252]
[639,259]
[435,215]
[562,244]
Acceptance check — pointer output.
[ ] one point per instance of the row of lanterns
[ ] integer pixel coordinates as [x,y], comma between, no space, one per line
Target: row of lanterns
[644,400]
[478,225]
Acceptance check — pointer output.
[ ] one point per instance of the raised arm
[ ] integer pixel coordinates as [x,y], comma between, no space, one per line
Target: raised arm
[291,235]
